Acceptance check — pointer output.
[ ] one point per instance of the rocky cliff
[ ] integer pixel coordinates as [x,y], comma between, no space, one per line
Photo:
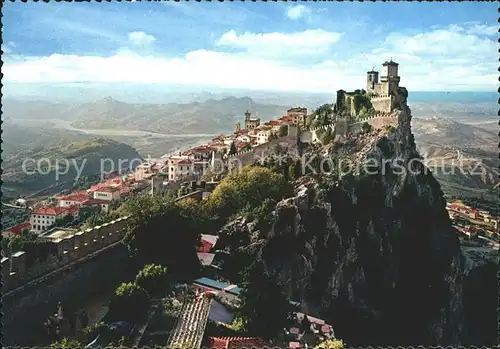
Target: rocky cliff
[373,252]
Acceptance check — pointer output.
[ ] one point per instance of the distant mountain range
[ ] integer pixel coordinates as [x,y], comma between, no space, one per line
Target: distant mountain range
[209,116]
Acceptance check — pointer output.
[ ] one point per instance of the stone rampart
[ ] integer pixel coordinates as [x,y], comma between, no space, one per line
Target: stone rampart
[73,248]
[311,136]
[195,195]
[260,151]
[82,266]
[377,121]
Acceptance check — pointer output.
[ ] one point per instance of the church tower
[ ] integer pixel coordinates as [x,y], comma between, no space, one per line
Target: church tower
[390,78]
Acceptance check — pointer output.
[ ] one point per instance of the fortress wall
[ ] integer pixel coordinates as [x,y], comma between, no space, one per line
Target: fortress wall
[382,104]
[260,151]
[79,267]
[71,249]
[384,121]
[378,121]
[195,195]
[25,311]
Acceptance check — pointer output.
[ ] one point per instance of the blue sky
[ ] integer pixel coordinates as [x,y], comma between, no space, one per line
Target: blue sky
[299,46]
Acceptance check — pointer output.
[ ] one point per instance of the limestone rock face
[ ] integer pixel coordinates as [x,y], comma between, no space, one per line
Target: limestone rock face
[375,255]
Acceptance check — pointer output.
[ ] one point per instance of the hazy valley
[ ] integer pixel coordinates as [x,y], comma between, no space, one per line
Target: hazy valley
[447,133]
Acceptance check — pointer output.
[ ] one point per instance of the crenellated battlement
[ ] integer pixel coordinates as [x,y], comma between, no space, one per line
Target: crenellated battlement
[62,251]
[239,153]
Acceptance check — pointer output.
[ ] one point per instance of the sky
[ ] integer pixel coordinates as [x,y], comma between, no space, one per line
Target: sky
[287,46]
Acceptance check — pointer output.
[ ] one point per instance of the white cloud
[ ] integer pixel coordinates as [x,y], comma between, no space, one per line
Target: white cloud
[439,60]
[285,44]
[8,47]
[297,11]
[141,38]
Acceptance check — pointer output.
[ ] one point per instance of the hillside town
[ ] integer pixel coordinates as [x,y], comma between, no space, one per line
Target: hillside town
[200,313]
[153,174]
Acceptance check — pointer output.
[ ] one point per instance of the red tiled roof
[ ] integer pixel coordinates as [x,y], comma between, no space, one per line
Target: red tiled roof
[98,186]
[184,162]
[17,229]
[205,246]
[274,122]
[294,345]
[203,148]
[96,202]
[236,342]
[108,189]
[79,196]
[55,211]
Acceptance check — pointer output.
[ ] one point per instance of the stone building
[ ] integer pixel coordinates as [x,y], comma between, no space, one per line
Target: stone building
[379,96]
[382,94]
[251,123]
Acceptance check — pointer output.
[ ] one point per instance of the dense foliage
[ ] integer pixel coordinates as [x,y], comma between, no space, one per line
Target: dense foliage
[330,344]
[66,343]
[153,278]
[165,232]
[265,306]
[130,303]
[246,190]
[283,131]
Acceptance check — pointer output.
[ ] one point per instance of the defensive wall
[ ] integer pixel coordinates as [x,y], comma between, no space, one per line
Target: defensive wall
[248,157]
[377,121]
[77,267]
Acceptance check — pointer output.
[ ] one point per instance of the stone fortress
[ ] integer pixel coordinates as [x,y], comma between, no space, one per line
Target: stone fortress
[375,105]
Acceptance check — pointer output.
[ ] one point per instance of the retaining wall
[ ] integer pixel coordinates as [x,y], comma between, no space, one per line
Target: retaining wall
[83,264]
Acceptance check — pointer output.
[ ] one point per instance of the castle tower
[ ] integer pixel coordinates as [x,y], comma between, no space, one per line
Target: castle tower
[247,115]
[390,78]
[371,81]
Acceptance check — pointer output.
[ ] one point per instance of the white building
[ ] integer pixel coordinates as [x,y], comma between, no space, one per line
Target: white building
[43,218]
[107,193]
[74,199]
[263,134]
[180,167]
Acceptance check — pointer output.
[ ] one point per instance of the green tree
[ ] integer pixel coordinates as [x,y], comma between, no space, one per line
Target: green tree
[283,131]
[366,127]
[130,303]
[232,149]
[330,344]
[153,278]
[164,232]
[264,308]
[66,343]
[248,146]
[327,136]
[324,112]
[246,189]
